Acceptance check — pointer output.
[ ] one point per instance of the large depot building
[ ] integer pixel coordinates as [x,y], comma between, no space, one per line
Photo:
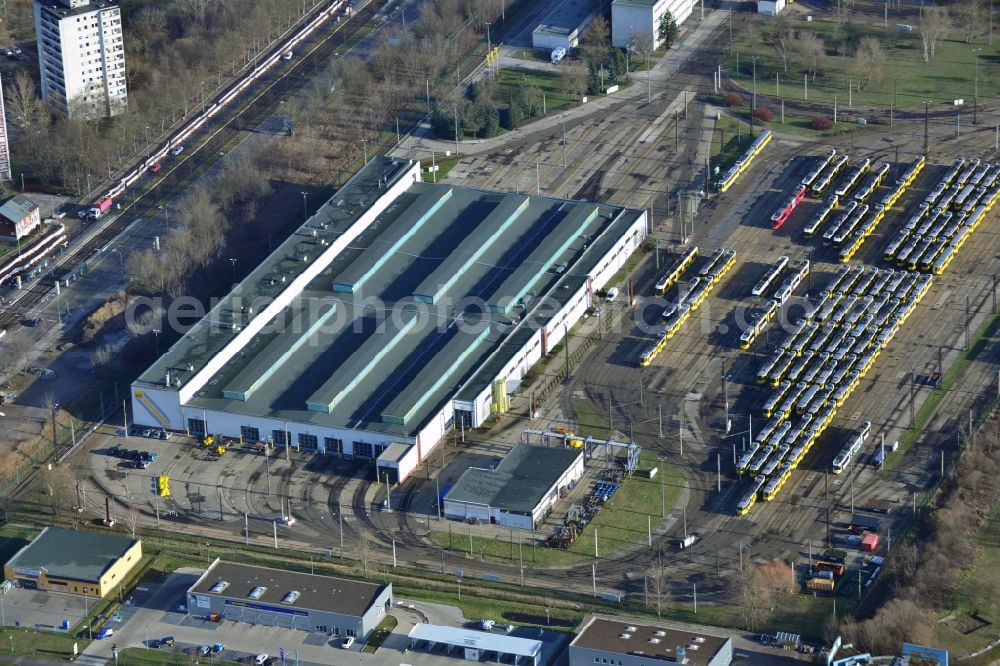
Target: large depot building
[399,310]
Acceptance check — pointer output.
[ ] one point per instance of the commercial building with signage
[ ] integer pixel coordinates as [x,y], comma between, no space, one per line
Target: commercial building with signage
[85,563]
[277,598]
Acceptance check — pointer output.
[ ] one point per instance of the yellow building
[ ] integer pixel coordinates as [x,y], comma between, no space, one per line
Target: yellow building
[86,563]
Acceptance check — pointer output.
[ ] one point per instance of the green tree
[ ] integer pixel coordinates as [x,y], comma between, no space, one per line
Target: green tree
[487,119]
[594,78]
[668,30]
[443,122]
[619,64]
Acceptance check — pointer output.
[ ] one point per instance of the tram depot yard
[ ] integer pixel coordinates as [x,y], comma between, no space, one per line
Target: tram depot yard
[832,287]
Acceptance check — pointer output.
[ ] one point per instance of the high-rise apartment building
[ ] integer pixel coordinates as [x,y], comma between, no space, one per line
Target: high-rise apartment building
[81,56]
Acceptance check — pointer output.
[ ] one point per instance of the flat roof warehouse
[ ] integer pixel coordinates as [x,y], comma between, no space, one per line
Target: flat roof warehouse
[326,593]
[394,299]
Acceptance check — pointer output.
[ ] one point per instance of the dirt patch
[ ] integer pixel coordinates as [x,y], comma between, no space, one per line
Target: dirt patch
[106,318]
[968,623]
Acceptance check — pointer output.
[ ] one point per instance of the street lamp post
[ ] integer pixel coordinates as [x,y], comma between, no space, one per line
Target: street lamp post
[55,407]
[156,337]
[232,260]
[975,94]
[563,119]
[305,209]
[364,144]
[926,104]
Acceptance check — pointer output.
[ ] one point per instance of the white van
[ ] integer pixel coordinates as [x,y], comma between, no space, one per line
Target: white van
[612,294]
[558,54]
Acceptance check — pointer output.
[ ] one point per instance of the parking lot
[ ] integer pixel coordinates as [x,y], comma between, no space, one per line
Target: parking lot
[44,610]
[161,615]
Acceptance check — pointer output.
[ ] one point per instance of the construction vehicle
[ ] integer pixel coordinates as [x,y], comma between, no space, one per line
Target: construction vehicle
[163,484]
[220,450]
[208,440]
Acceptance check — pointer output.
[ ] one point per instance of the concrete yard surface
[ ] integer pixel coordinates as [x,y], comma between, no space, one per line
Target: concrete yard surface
[43,610]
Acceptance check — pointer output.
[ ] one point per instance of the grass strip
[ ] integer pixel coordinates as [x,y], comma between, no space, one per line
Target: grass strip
[930,405]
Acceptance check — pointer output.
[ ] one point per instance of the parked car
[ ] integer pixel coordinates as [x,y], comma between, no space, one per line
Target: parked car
[147,432]
[115,451]
[105,632]
[9,53]
[17,50]
[167,641]
[166,434]
[347,642]
[177,150]
[218,647]
[155,167]
[260,659]
[204,650]
[288,55]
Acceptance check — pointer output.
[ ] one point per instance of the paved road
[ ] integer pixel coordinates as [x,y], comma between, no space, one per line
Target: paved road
[422,143]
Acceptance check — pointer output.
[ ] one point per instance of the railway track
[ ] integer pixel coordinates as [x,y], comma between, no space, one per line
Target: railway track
[270,89]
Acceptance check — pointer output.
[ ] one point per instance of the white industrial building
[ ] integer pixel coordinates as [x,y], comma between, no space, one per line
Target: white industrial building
[477,646]
[81,56]
[564,25]
[637,22]
[399,311]
[770,7]
[519,491]
[622,642]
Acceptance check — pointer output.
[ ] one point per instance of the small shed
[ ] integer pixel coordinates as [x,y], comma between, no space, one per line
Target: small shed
[869,542]
[19,215]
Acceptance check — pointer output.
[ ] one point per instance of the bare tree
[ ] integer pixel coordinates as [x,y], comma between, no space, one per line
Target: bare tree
[934,24]
[25,107]
[781,37]
[869,61]
[658,582]
[811,51]
[58,485]
[102,356]
[969,16]
[753,613]
[596,41]
[574,79]
[132,519]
